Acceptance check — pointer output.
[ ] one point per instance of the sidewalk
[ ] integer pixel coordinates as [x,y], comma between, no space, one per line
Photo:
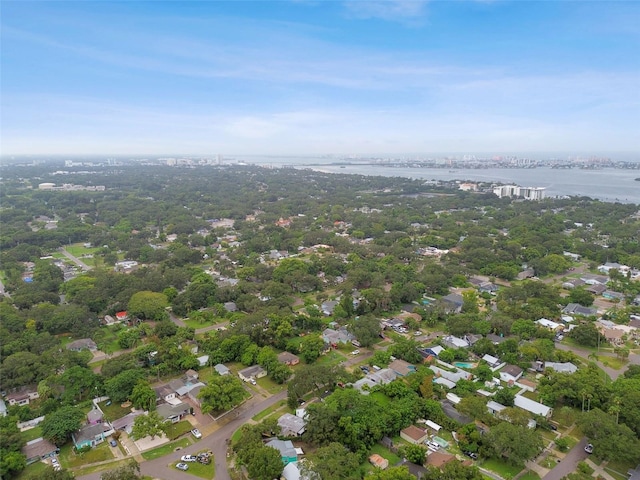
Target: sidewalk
[599,470]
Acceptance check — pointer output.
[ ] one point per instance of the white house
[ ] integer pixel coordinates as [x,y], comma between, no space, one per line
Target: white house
[532,406]
[511,373]
[548,324]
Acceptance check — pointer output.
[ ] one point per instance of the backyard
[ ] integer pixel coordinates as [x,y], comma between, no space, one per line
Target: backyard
[166,449]
[503,469]
[179,428]
[71,459]
[113,411]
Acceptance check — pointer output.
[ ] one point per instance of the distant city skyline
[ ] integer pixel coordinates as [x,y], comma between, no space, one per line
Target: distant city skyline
[310,78]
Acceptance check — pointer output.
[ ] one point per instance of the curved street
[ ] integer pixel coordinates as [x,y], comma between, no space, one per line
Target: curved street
[160,468]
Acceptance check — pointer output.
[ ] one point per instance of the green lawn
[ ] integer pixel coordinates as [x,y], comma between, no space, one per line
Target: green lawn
[166,449]
[612,362]
[200,470]
[70,459]
[113,411]
[99,468]
[268,411]
[530,476]
[177,429]
[269,385]
[78,250]
[35,470]
[381,398]
[31,434]
[503,469]
[618,469]
[196,324]
[548,462]
[385,453]
[331,358]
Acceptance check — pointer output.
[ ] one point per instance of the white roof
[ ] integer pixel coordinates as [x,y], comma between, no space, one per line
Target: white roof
[291,471]
[433,425]
[495,406]
[458,342]
[490,359]
[445,382]
[531,406]
[547,323]
[453,398]
[566,367]
[437,349]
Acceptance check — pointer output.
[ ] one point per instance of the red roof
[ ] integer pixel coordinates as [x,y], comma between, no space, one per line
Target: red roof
[121,315]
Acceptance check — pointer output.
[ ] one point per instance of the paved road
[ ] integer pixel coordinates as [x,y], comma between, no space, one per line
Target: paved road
[216,442]
[634,359]
[75,259]
[569,462]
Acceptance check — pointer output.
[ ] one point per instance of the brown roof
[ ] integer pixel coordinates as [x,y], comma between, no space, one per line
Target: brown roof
[414,432]
[439,459]
[378,461]
[286,357]
[528,383]
[38,448]
[512,370]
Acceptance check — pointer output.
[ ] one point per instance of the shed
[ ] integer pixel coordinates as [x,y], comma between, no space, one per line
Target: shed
[414,435]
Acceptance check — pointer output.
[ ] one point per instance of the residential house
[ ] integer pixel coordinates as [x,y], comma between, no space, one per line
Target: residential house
[252,373]
[402,368]
[549,324]
[451,341]
[452,302]
[291,425]
[528,385]
[472,338]
[492,361]
[453,376]
[89,435]
[591,279]
[526,273]
[573,283]
[82,344]
[566,367]
[434,351]
[612,335]
[378,461]
[444,382]
[286,449]
[607,267]
[532,406]
[94,416]
[496,339]
[230,307]
[596,289]
[495,408]
[439,459]
[191,375]
[288,358]
[334,337]
[173,413]
[611,295]
[126,423]
[39,449]
[164,393]
[511,374]
[372,379]
[222,369]
[23,395]
[416,470]
[577,309]
[414,435]
[203,360]
[328,307]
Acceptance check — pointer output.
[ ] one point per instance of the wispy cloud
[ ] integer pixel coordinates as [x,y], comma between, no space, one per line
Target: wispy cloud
[404,11]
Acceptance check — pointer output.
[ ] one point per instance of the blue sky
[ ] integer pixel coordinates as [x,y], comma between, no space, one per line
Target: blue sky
[315,77]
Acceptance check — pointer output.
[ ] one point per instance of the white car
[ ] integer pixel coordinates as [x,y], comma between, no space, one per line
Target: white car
[433,446]
[355,352]
[588,448]
[188,458]
[196,433]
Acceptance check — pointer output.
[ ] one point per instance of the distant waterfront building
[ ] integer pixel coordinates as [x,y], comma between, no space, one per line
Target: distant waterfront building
[528,193]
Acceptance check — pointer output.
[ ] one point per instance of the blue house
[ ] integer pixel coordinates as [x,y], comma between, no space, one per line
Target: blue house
[89,435]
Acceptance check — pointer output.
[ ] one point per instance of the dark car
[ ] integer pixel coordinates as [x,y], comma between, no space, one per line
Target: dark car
[472,455]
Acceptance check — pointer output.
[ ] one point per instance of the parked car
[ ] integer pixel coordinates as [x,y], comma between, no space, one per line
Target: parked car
[431,445]
[182,466]
[471,455]
[188,458]
[588,448]
[196,433]
[113,443]
[355,352]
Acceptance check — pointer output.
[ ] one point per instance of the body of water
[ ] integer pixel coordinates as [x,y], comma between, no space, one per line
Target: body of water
[607,184]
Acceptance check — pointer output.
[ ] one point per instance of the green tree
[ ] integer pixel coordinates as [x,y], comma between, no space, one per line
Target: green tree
[391,473]
[585,334]
[581,296]
[221,394]
[413,453]
[12,463]
[150,425]
[505,396]
[58,426]
[119,388]
[515,443]
[311,347]
[148,305]
[264,463]
[143,396]
[610,440]
[333,462]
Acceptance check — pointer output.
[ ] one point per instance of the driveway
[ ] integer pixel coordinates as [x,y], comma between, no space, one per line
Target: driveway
[569,463]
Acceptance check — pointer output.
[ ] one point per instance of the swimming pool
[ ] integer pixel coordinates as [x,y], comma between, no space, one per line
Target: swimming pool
[465,364]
